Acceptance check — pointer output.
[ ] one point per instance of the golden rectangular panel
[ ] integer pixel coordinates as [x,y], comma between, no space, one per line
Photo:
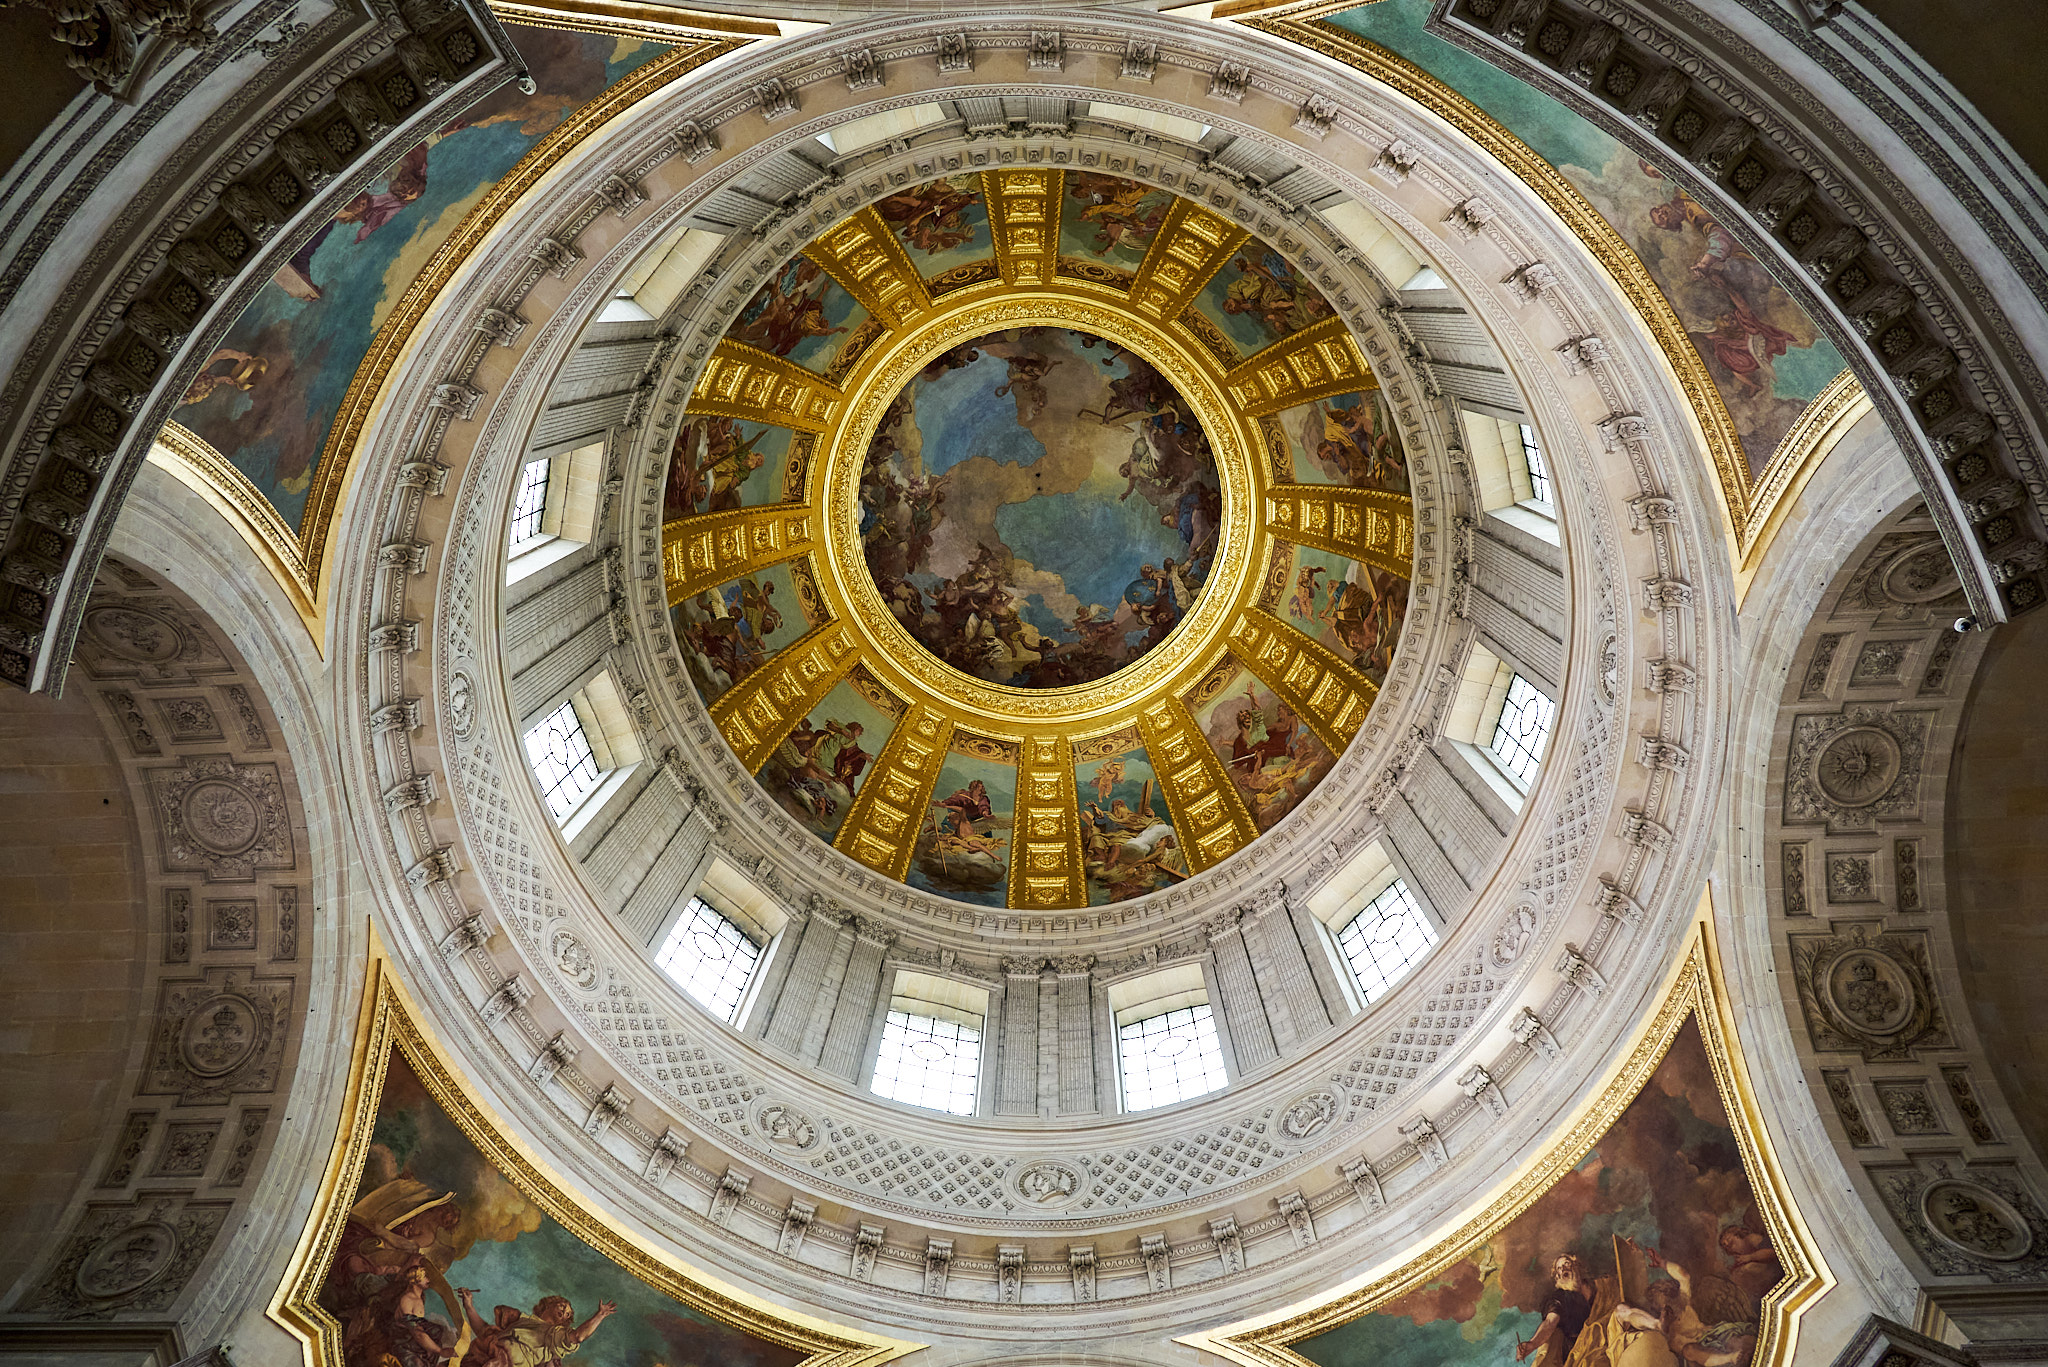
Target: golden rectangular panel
[1046,869]
[1318,686]
[699,553]
[759,710]
[745,382]
[1190,246]
[868,260]
[1209,814]
[1367,525]
[1319,362]
[1021,205]
[881,827]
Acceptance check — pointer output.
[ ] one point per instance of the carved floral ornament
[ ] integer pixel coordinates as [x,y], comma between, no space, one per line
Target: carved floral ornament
[522,906]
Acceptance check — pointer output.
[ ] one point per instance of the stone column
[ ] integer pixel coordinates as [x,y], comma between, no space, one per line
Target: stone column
[1293,1006]
[785,1029]
[1077,1034]
[855,1011]
[1242,1008]
[1049,1044]
[1017,1083]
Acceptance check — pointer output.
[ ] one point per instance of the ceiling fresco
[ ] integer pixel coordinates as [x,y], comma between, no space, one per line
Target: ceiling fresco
[1040,507]
[1037,539]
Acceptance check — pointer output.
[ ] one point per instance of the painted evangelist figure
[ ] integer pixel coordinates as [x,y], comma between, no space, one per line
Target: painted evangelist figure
[1128,843]
[1273,759]
[445,1262]
[1353,608]
[1039,507]
[1647,1254]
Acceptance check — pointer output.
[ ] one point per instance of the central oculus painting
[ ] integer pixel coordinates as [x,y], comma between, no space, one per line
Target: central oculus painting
[1039,507]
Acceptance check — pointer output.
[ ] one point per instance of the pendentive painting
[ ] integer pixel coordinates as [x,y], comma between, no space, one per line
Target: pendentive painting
[1649,1253]
[446,1261]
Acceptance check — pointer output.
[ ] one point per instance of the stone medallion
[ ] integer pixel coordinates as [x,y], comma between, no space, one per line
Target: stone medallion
[1869,994]
[220,1035]
[1050,1183]
[221,816]
[1857,766]
[786,1127]
[574,959]
[1976,1221]
[1309,1115]
[134,635]
[461,704]
[128,1261]
[1919,574]
[1513,936]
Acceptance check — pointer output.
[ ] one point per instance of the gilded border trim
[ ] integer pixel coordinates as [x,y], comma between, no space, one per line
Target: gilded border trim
[630,19]
[193,462]
[389,1019]
[1696,989]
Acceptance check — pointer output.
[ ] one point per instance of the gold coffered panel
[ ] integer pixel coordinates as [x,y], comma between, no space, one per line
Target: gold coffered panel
[1069,793]
[699,553]
[1368,525]
[1208,810]
[1191,246]
[881,829]
[740,381]
[1307,675]
[1319,362]
[1024,217]
[1045,868]
[865,257]
[763,707]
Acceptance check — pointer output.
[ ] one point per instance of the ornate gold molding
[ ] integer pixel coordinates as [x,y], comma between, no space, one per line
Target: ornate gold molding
[739,381]
[1812,436]
[1696,990]
[186,456]
[699,553]
[1024,220]
[870,264]
[1209,813]
[758,711]
[881,827]
[1190,247]
[388,1022]
[1319,362]
[1317,686]
[1367,525]
[1046,868]
[627,19]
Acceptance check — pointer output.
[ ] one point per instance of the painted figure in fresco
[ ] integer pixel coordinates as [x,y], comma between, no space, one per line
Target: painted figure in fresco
[1565,1309]
[789,310]
[369,211]
[707,464]
[1703,1322]
[1107,776]
[1027,384]
[1117,210]
[1302,602]
[1740,339]
[391,1254]
[227,368]
[542,1339]
[1752,1262]
[1270,291]
[931,217]
[1355,445]
[1364,614]
[812,762]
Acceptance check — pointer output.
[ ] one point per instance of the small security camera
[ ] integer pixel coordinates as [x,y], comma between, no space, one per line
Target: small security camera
[1966,624]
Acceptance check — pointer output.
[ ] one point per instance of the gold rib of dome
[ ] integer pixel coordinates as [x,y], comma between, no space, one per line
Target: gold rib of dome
[1036,538]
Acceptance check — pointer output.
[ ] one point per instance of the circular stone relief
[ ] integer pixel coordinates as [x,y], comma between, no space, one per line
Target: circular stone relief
[219,1035]
[221,816]
[573,957]
[786,1127]
[127,1261]
[1858,766]
[1869,993]
[1919,574]
[1050,1183]
[1308,1115]
[1976,1221]
[1039,507]
[134,635]
[461,704]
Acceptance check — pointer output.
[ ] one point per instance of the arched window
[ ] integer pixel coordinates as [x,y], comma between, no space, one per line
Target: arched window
[930,1054]
[1167,1046]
